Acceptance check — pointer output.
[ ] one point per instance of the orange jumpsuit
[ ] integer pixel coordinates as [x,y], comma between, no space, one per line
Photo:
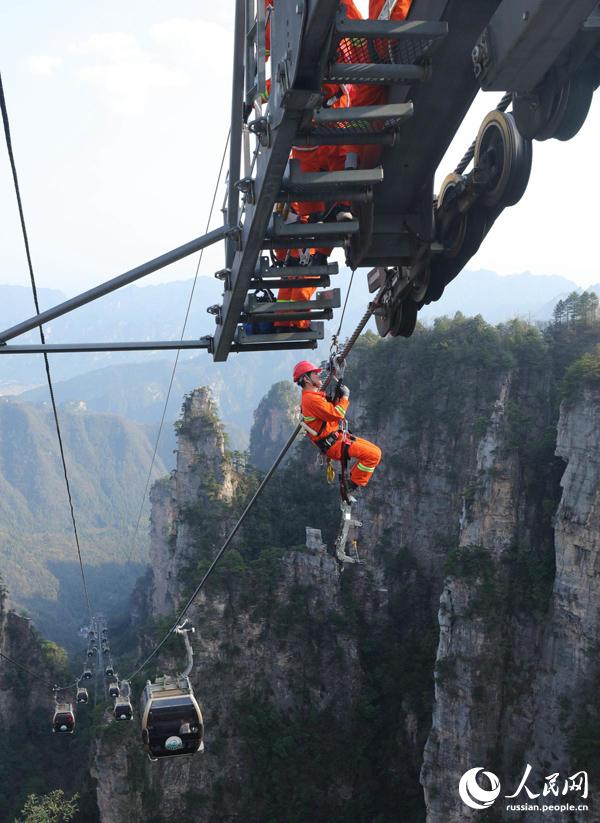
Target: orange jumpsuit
[368,94]
[314,159]
[324,418]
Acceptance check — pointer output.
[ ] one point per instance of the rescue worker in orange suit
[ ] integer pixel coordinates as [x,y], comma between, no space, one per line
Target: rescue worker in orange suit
[367,94]
[321,422]
[314,159]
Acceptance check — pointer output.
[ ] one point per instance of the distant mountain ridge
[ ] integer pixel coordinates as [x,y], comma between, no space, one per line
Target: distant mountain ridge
[108,460]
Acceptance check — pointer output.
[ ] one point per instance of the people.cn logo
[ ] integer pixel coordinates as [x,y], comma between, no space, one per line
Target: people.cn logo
[471,792]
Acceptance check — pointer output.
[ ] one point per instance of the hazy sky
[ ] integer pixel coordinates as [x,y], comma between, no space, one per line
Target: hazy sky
[119,112]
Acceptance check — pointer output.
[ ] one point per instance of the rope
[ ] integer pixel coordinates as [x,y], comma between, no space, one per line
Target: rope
[187,314]
[220,553]
[470,153]
[339,331]
[37,677]
[347,348]
[42,336]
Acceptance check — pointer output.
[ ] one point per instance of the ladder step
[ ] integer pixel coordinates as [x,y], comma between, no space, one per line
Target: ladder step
[291,281]
[390,113]
[280,339]
[315,183]
[329,299]
[301,235]
[391,29]
[386,41]
[380,73]
[265,270]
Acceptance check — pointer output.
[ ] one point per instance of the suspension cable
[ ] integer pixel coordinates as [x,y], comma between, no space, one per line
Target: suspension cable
[42,337]
[343,356]
[187,314]
[470,152]
[47,683]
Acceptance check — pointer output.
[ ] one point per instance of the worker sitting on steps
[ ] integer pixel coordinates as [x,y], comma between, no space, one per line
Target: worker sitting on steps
[322,421]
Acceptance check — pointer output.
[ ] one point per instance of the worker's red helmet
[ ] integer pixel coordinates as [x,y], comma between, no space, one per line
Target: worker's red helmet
[304,367]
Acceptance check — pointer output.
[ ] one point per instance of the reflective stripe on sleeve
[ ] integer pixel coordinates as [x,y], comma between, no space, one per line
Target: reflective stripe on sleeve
[341,410]
[309,419]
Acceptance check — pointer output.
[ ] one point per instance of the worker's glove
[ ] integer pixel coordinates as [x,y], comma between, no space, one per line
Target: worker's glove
[342,391]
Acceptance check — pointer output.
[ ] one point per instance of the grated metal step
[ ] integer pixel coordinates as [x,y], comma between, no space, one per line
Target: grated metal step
[264,269]
[379,73]
[386,41]
[302,235]
[324,301]
[319,184]
[366,121]
[298,339]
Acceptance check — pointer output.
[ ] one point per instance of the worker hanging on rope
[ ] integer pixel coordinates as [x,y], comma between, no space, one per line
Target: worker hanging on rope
[325,425]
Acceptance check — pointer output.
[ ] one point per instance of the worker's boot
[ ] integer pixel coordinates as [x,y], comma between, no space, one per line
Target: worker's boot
[318,259]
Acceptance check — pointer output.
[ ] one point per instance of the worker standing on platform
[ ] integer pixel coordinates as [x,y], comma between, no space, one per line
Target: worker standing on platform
[322,422]
[370,94]
[315,159]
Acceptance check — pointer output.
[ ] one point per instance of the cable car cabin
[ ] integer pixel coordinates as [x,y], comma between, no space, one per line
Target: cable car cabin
[105,649]
[87,674]
[82,695]
[90,653]
[110,672]
[63,721]
[113,690]
[91,635]
[123,709]
[171,718]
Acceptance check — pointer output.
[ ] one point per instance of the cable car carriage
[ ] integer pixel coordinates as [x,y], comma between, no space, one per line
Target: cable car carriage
[113,689]
[171,718]
[123,709]
[90,652]
[63,721]
[87,674]
[82,695]
[109,672]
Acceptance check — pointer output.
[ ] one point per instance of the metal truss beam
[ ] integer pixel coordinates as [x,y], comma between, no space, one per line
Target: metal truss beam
[116,283]
[144,345]
[299,62]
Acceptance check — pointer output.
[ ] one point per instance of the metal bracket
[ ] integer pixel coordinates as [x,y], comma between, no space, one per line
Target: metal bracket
[216,312]
[225,276]
[246,186]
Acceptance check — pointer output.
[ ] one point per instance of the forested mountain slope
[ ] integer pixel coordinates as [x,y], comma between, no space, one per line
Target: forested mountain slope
[364,696]
[108,460]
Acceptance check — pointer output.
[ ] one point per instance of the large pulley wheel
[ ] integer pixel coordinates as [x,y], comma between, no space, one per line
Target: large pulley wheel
[404,319]
[454,233]
[557,108]
[506,154]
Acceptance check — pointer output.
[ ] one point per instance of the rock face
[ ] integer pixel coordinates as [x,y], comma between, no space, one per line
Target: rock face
[467,640]
[274,420]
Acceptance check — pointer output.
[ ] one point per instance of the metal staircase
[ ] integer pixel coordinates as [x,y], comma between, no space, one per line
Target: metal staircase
[311,44]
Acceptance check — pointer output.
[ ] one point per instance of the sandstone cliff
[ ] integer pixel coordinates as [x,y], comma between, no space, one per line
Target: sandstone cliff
[466,640]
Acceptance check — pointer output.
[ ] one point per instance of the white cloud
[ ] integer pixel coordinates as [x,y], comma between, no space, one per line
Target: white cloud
[43,64]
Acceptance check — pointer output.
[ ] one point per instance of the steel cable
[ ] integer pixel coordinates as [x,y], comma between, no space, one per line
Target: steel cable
[187,314]
[42,336]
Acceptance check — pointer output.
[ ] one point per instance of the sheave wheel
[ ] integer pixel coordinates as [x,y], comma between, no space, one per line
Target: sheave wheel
[581,91]
[405,319]
[501,149]
[454,235]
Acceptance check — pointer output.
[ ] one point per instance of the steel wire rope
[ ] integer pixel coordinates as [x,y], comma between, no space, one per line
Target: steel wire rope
[52,686]
[336,336]
[171,381]
[42,336]
[346,351]
[470,152]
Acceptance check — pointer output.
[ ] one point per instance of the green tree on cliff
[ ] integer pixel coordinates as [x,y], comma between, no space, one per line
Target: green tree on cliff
[49,808]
